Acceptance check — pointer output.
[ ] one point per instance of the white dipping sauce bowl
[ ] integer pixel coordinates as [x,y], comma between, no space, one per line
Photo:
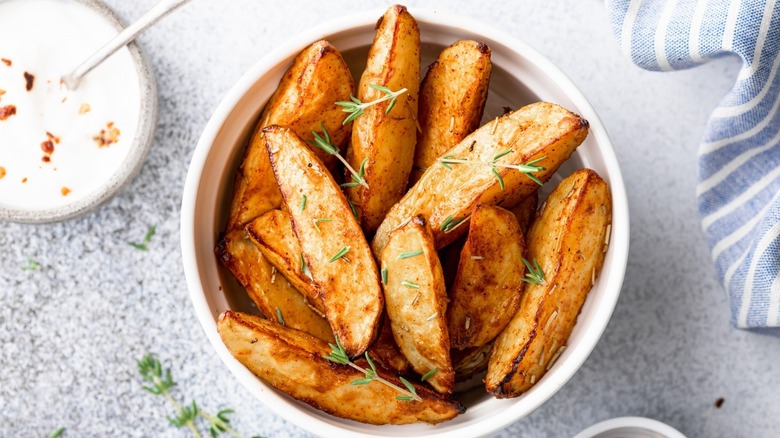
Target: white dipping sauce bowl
[520,76]
[139,147]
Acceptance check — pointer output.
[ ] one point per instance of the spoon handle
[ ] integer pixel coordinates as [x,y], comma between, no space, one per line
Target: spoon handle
[160,10]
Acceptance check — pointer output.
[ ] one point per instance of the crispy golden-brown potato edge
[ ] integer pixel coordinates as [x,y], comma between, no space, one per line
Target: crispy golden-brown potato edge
[292,362]
[568,240]
[335,252]
[269,290]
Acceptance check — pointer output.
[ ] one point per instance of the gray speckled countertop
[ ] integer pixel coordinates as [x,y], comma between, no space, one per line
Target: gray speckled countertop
[71,331]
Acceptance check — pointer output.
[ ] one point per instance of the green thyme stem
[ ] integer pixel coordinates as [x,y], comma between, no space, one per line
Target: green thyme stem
[216,421]
[164,391]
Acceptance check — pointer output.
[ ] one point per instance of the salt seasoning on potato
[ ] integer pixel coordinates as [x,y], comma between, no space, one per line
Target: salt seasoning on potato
[334,254]
[417,302]
[304,101]
[384,135]
[565,250]
[452,100]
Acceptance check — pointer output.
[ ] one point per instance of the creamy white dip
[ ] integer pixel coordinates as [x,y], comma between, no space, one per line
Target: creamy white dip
[59,146]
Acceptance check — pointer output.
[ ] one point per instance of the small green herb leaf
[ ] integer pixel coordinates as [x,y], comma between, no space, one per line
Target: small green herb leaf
[410,285]
[305,268]
[303,202]
[384,276]
[342,252]
[57,433]
[32,265]
[279,316]
[535,275]
[147,239]
[430,374]
[318,220]
[409,254]
[498,176]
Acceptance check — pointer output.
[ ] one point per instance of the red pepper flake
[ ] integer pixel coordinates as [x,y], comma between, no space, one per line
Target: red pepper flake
[46,159]
[29,79]
[65,191]
[7,111]
[2,172]
[47,147]
[52,137]
[107,136]
[6,61]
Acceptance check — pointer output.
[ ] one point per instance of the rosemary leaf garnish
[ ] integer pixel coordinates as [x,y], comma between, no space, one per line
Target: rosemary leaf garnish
[352,207]
[411,389]
[318,220]
[161,381]
[409,254]
[409,284]
[384,276]
[32,265]
[430,374]
[57,433]
[498,177]
[323,142]
[355,107]
[356,181]
[342,252]
[501,154]
[535,275]
[450,223]
[528,168]
[305,268]
[339,355]
[279,316]
[303,202]
[147,239]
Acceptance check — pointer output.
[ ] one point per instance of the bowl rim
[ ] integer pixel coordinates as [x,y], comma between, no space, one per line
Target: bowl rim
[138,150]
[282,404]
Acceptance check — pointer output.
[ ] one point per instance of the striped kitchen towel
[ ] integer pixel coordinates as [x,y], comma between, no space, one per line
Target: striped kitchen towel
[739,157]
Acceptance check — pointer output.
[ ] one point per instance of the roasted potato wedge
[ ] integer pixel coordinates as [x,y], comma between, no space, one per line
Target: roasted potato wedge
[487,289]
[304,101]
[386,352]
[385,136]
[568,240]
[274,237]
[336,252]
[269,290]
[471,361]
[292,361]
[452,100]
[417,302]
[446,196]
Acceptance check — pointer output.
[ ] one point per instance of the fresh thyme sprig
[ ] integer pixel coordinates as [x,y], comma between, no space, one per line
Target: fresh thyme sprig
[31,265]
[339,355]
[360,178]
[528,168]
[144,246]
[535,275]
[161,381]
[355,107]
[450,224]
[323,142]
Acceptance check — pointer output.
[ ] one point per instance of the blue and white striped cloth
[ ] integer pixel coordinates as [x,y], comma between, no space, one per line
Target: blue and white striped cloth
[739,157]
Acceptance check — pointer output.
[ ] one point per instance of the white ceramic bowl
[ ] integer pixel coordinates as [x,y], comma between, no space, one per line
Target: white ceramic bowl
[520,76]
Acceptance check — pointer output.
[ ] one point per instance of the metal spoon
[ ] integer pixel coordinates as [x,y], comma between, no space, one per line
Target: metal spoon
[160,10]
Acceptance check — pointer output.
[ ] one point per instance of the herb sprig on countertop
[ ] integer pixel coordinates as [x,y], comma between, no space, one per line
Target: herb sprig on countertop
[144,246]
[355,106]
[323,142]
[31,265]
[528,168]
[339,355]
[186,415]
